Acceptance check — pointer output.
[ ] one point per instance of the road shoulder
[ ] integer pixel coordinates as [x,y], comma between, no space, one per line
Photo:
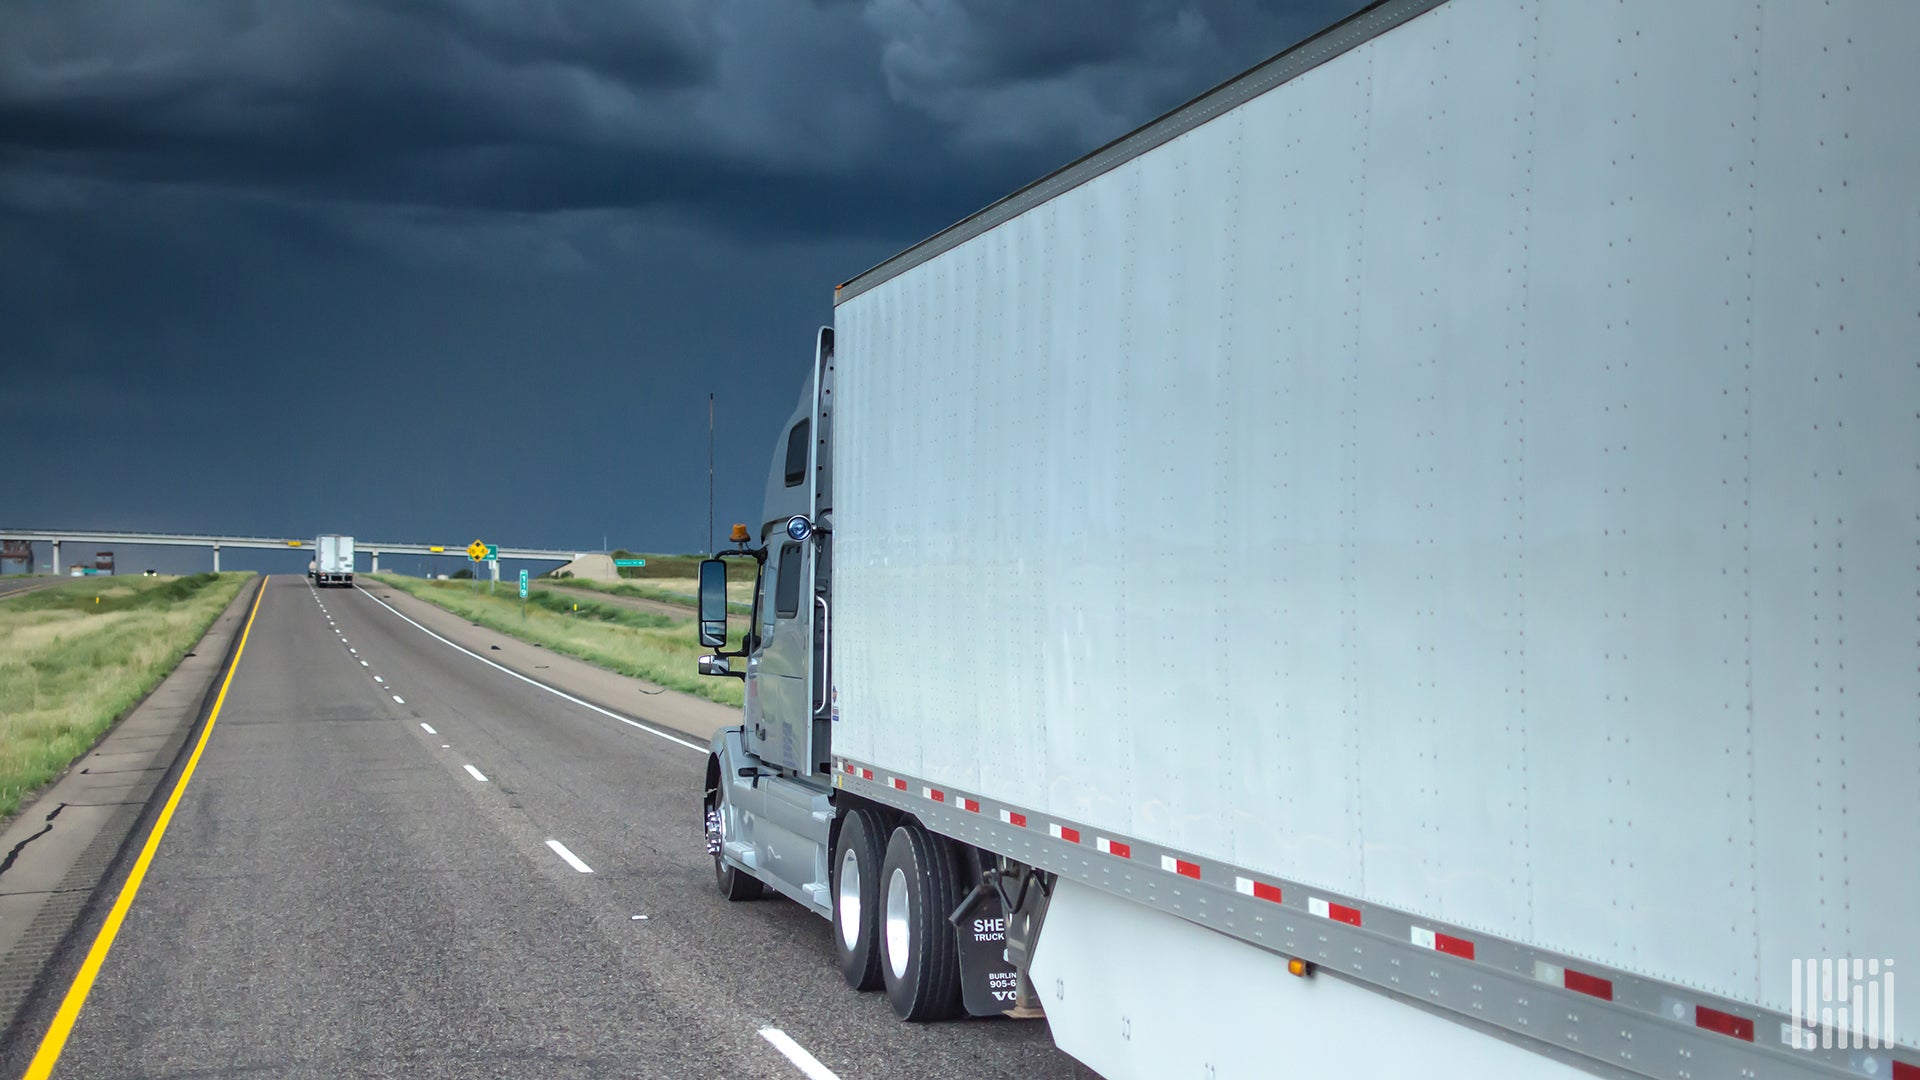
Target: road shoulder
[57,852]
[695,717]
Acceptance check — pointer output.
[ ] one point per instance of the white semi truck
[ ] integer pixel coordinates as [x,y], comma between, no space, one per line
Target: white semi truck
[1408,565]
[333,560]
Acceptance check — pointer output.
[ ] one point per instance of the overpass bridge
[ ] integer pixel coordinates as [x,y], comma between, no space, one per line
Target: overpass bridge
[375,549]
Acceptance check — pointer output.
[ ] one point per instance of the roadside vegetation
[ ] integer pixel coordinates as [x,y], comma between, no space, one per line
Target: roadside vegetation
[673,590]
[661,649]
[671,579]
[77,656]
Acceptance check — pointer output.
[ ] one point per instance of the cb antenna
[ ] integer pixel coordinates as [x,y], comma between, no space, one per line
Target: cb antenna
[709,473]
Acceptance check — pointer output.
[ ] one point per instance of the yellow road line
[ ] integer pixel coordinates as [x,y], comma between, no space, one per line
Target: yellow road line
[56,1039]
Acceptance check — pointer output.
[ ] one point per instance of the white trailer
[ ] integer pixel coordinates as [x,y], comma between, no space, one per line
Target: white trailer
[1407,565]
[333,564]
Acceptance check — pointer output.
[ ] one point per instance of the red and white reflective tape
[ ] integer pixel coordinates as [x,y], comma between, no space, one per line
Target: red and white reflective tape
[1723,1023]
[1577,981]
[1446,943]
[1180,866]
[1259,890]
[1705,1017]
[1337,912]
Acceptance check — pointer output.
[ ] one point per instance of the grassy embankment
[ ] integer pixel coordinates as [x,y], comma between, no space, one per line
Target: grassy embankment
[661,649]
[672,579]
[71,666]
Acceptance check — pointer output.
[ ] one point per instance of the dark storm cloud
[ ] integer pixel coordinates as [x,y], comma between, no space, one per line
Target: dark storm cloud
[782,115]
[445,268]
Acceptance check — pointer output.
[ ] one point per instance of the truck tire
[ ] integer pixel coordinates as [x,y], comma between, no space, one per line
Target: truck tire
[919,954]
[858,856]
[734,884]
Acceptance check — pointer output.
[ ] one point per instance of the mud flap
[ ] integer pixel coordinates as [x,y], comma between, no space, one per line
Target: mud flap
[989,982]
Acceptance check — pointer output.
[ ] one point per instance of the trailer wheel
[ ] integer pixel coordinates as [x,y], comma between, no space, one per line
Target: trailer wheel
[919,954]
[857,859]
[734,884]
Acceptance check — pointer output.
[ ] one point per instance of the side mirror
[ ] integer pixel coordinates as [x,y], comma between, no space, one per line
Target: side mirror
[713,603]
[715,665]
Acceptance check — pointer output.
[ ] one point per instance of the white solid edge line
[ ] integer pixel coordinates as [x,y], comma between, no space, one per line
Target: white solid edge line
[428,728]
[797,1054]
[573,860]
[399,700]
[609,713]
[477,774]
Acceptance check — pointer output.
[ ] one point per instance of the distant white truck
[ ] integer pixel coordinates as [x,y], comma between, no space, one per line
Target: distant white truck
[333,561]
[1404,566]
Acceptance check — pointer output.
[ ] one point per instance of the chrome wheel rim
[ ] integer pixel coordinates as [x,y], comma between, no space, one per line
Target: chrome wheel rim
[899,936]
[849,900]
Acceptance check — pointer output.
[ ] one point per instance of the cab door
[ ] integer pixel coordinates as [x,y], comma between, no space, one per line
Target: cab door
[784,731]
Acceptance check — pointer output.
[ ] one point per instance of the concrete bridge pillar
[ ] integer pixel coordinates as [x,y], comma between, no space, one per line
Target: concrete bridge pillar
[56,558]
[216,558]
[376,563]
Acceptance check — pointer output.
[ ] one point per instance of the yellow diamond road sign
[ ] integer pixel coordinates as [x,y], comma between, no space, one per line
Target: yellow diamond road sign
[476,551]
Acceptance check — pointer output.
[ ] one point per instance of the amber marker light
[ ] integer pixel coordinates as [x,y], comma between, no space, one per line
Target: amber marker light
[740,534]
[1299,967]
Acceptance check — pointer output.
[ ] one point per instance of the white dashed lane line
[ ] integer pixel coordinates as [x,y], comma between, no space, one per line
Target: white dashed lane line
[797,1054]
[398,700]
[560,849]
[610,714]
[476,773]
[428,728]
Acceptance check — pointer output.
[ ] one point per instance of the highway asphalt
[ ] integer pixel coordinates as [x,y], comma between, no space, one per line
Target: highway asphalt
[376,870]
[12,585]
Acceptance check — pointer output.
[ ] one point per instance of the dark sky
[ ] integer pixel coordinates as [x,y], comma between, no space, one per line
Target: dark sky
[432,269]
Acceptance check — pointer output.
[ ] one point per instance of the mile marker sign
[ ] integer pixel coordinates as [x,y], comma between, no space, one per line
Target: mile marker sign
[523,584]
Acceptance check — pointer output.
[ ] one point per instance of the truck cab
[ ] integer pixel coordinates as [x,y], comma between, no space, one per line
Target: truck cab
[779,833]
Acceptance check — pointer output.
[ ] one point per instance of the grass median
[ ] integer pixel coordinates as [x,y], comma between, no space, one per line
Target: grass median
[673,579]
[661,649]
[75,657]
[673,590]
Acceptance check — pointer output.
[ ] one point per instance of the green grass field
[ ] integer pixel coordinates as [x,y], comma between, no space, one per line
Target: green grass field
[71,664]
[680,591]
[661,649]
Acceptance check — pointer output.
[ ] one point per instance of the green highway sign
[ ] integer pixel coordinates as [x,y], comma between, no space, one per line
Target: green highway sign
[493,551]
[523,584]
[629,562]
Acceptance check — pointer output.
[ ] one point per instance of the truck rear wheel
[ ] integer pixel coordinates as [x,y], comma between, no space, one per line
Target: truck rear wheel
[919,954]
[857,859]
